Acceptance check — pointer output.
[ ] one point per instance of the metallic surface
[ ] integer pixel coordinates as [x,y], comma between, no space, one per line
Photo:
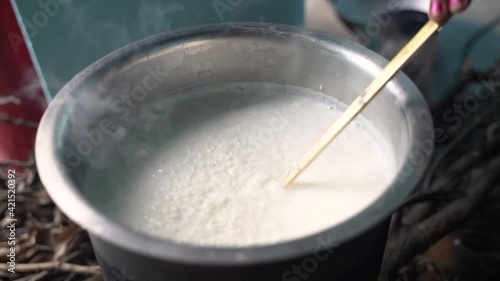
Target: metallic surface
[229,53]
[364,99]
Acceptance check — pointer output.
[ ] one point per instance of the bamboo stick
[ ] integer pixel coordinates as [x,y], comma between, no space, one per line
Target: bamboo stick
[362,101]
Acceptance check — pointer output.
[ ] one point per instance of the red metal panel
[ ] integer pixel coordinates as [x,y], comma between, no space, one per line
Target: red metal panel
[18,78]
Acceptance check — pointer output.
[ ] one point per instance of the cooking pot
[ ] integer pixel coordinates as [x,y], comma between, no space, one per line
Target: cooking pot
[102,120]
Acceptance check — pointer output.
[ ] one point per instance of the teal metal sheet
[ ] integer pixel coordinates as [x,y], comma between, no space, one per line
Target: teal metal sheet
[65,36]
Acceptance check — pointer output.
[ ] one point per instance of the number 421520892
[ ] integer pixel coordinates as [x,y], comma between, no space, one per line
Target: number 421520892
[11,193]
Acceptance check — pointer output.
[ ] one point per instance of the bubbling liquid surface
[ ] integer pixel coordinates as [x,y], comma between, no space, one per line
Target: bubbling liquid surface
[217,179]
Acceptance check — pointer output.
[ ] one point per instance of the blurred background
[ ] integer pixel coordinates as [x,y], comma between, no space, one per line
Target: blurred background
[44,43]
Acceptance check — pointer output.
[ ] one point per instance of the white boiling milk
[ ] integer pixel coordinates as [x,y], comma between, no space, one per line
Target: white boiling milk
[218,178]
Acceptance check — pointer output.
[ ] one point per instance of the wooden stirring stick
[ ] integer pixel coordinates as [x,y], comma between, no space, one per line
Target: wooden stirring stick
[362,101]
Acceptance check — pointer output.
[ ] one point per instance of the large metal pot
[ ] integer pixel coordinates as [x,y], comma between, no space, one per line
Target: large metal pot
[95,113]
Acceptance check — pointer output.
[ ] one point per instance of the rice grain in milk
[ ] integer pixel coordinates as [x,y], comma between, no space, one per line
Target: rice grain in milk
[217,179]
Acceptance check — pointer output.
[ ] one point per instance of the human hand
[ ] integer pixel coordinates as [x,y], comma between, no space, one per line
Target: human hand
[440,10]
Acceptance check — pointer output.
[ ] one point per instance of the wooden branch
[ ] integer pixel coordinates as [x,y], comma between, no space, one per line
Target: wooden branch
[441,195]
[416,213]
[54,265]
[15,121]
[407,242]
[9,99]
[452,146]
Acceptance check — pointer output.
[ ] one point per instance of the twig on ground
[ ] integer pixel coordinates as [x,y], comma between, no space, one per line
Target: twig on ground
[418,238]
[54,265]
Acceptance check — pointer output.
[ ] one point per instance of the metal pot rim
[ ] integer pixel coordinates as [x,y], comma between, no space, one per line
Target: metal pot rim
[68,198]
